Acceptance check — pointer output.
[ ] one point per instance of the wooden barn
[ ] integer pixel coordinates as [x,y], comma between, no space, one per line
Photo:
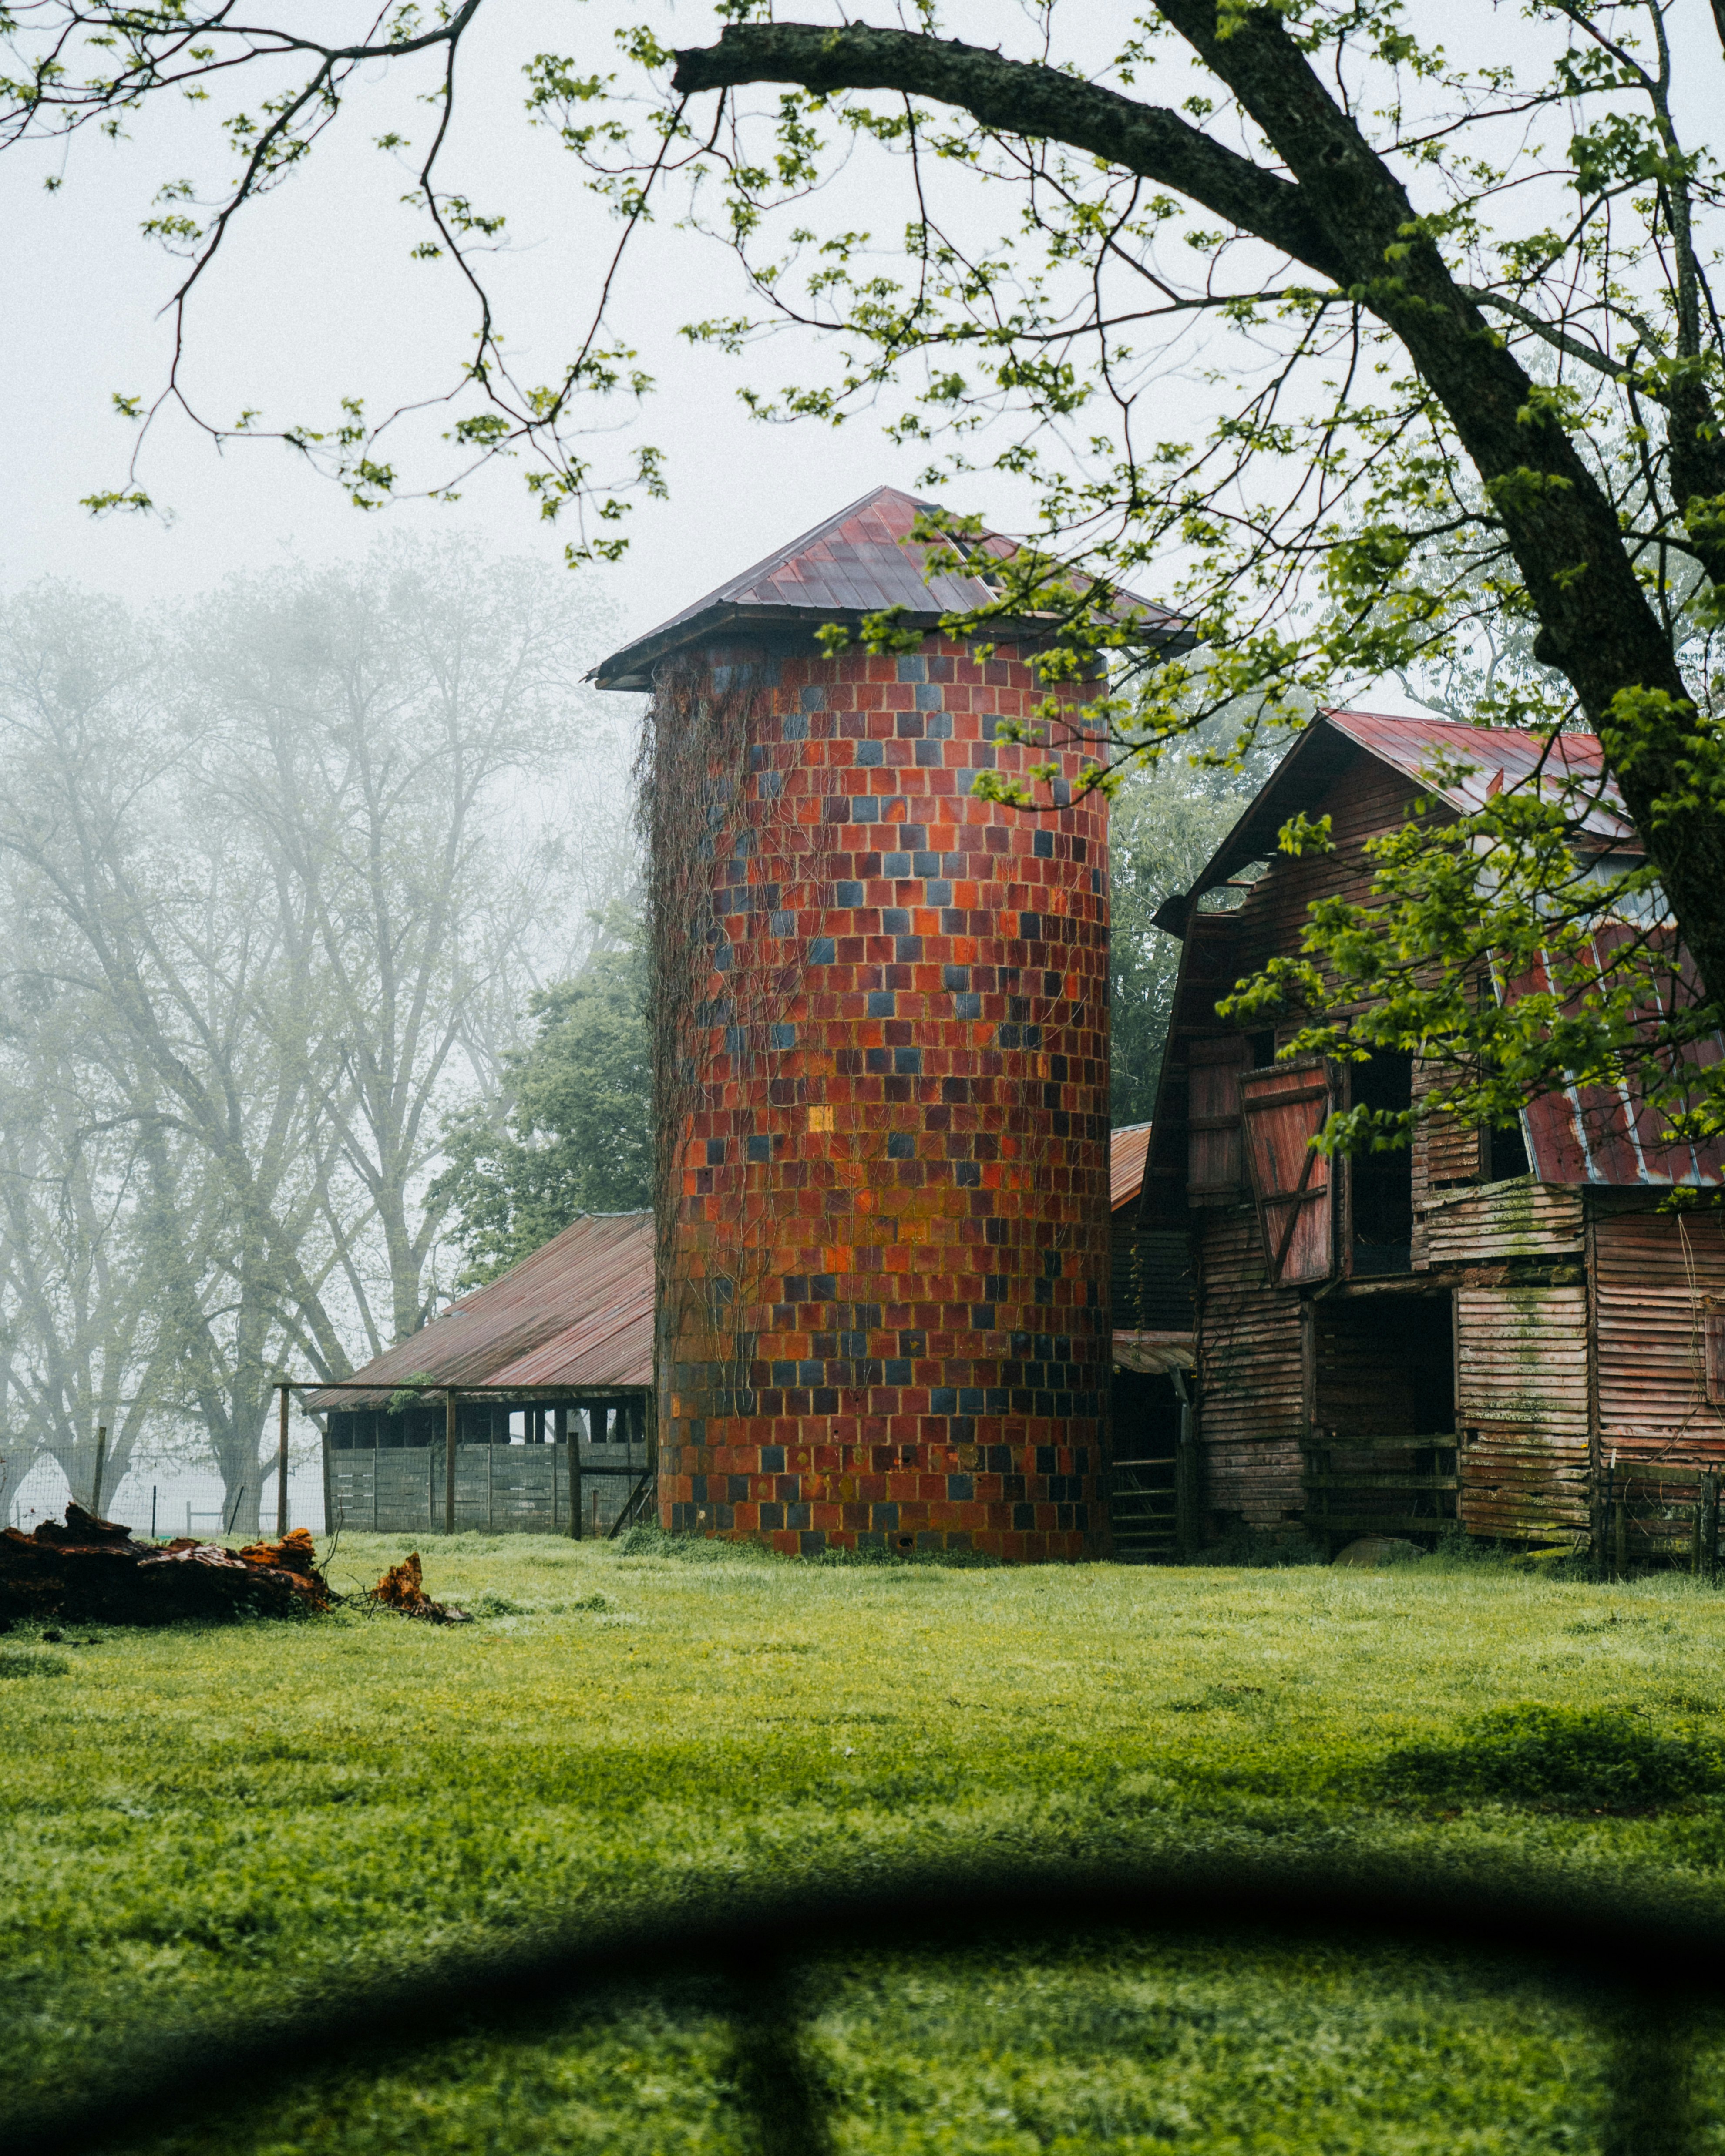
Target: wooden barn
[1500,1329]
[526,1408]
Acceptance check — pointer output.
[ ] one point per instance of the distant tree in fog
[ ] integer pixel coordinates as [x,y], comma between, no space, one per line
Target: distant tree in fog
[285,873]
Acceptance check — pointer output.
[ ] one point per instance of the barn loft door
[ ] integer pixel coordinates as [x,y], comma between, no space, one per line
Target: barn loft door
[1283,1109]
[1213,1164]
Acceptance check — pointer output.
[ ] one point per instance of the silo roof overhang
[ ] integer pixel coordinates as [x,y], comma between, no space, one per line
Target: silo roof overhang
[860,561]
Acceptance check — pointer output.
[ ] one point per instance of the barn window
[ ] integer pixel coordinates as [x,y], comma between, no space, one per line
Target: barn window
[1382,1192]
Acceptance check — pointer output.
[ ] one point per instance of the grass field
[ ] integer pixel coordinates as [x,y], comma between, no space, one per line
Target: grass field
[205,1823]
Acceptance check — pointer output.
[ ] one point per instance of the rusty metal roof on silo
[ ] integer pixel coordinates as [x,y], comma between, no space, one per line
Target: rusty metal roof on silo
[860,561]
[578,1315]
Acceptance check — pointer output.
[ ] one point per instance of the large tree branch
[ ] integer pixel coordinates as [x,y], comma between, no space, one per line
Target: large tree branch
[1346,213]
[1019,97]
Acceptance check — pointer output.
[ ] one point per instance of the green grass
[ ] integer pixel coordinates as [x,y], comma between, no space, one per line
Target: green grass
[206,1823]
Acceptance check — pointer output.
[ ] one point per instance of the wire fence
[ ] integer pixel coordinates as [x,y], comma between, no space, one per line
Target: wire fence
[1652,1975]
[167,1499]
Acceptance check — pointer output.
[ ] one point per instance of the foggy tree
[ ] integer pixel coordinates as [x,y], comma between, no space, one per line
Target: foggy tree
[278,867]
[80,1342]
[1431,289]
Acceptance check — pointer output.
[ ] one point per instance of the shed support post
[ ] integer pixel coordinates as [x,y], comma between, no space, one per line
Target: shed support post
[282,1463]
[573,1423]
[450,1419]
[329,1498]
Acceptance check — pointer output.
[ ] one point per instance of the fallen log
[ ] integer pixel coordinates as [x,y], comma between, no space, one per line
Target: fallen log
[92,1572]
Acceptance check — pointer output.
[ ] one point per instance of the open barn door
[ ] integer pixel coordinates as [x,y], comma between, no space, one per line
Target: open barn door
[1282,1109]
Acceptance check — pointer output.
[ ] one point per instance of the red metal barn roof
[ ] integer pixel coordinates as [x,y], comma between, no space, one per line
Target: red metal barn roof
[578,1314]
[1127,1148]
[1602,1135]
[1423,746]
[859,562]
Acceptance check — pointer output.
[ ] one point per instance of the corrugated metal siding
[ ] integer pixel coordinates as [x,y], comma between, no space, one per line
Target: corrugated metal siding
[1653,1274]
[1521,1402]
[578,1313]
[1520,1219]
[1251,1409]
[1608,1134]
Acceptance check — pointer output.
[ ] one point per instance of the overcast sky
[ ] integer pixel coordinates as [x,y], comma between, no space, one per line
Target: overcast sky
[315,297]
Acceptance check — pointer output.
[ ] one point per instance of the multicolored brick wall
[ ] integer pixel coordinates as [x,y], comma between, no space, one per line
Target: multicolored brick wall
[888,1300]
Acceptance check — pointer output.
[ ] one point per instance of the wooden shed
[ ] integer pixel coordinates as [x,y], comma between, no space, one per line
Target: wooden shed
[526,1408]
[1508,1330]
[1152,1490]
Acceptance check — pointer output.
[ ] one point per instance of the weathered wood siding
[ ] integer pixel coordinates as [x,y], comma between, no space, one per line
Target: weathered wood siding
[1521,1405]
[1522,1218]
[1654,1275]
[500,1489]
[1252,1411]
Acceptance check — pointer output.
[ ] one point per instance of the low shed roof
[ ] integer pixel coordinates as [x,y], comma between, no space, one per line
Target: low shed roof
[578,1316]
[1126,1150]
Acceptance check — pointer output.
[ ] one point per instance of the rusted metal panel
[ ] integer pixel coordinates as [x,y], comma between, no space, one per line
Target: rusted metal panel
[1127,1149]
[1608,1135]
[1656,1279]
[578,1314]
[1433,750]
[1521,1219]
[1521,1382]
[1251,1393]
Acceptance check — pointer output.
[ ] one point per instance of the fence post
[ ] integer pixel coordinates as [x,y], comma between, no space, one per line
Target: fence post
[572,1419]
[1620,1539]
[449,1425]
[95,1493]
[1710,1526]
[281,1467]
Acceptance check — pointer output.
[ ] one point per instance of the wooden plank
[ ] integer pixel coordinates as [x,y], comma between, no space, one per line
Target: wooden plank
[1252,1414]
[1519,1219]
[1381,1481]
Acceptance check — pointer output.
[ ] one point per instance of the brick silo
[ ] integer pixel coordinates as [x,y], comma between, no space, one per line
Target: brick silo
[883,1217]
